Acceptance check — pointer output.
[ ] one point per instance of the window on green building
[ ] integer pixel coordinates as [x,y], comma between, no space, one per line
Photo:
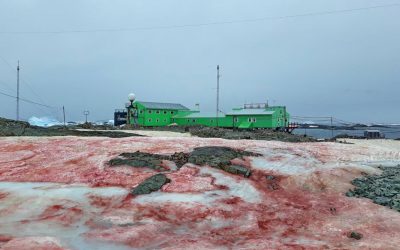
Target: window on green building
[149,119]
[165,112]
[141,111]
[158,111]
[172,112]
[165,120]
[157,120]
[149,112]
[211,120]
[194,120]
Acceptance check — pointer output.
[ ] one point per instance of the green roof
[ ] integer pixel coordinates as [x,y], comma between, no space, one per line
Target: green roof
[161,105]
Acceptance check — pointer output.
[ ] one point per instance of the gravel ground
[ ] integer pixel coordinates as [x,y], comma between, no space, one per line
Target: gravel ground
[383,189]
[258,134]
[20,128]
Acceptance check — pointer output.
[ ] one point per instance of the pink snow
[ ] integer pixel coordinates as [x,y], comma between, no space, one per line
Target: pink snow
[60,193]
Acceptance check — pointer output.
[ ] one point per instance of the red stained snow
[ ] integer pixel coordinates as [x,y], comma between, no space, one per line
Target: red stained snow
[3,195]
[188,180]
[61,213]
[273,209]
[33,243]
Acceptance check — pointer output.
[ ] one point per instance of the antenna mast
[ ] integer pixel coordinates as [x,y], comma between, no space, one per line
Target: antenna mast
[18,91]
[218,76]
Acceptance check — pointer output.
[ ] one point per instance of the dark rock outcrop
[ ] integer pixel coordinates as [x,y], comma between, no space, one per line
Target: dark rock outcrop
[216,157]
[20,128]
[257,134]
[383,189]
[151,184]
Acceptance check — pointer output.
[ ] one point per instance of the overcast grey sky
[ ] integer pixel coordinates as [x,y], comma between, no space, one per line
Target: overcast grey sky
[346,65]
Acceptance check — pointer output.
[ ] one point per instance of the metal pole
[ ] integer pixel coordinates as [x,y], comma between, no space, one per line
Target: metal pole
[64,115]
[331,127]
[218,76]
[18,91]
[86,113]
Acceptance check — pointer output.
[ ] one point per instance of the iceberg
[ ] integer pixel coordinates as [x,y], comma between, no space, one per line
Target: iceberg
[43,121]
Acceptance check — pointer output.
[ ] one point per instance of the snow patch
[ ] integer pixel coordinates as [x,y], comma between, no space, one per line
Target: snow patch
[279,167]
[161,197]
[240,188]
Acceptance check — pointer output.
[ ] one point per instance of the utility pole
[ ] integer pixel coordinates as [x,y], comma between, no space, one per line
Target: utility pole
[64,115]
[218,76]
[18,91]
[331,127]
[86,113]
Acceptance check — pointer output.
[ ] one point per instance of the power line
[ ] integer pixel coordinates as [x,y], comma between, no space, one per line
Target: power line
[262,19]
[6,85]
[28,101]
[40,107]
[311,117]
[23,80]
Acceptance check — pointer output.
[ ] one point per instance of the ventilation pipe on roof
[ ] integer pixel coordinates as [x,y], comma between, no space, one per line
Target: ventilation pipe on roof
[197,105]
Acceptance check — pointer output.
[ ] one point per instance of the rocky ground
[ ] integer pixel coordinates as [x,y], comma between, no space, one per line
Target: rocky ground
[216,157]
[20,128]
[258,134]
[383,188]
[179,193]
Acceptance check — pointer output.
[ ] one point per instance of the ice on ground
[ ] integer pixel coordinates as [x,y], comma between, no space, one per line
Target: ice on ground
[161,197]
[287,168]
[149,133]
[237,187]
[23,212]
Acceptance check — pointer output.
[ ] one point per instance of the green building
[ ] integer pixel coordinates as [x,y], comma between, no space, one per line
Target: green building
[155,114]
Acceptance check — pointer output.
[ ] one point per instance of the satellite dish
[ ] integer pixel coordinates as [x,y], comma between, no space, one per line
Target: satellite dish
[131,97]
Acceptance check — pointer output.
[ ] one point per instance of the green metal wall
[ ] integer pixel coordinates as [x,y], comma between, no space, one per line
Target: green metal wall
[203,121]
[153,117]
[261,121]
[165,117]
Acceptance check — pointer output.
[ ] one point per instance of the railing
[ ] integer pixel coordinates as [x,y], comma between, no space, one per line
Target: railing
[120,110]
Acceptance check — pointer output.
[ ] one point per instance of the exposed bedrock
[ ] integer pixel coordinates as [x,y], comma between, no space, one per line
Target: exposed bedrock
[216,157]
[383,189]
[20,128]
[258,134]
[152,184]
